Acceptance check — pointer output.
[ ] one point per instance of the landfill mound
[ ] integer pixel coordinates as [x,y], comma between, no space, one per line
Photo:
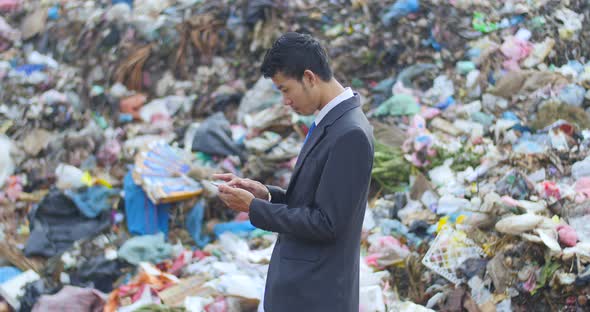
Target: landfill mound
[115,114]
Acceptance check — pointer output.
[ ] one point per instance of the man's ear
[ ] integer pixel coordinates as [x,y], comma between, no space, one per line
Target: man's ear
[310,77]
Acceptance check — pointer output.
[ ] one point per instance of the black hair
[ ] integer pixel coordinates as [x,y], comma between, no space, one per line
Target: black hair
[294,53]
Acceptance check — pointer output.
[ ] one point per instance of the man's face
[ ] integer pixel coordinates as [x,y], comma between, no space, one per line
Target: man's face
[299,95]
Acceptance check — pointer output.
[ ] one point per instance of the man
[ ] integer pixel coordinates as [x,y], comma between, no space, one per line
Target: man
[315,262]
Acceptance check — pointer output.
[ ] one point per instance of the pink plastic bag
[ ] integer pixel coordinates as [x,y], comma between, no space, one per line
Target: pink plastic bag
[10,5]
[385,251]
[567,235]
[515,50]
[583,187]
[551,190]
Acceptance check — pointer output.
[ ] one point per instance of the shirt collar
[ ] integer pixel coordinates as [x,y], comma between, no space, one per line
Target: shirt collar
[345,95]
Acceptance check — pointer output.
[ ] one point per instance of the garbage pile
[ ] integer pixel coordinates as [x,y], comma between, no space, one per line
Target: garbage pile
[115,114]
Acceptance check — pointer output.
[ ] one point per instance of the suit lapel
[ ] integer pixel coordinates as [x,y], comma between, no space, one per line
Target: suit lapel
[319,131]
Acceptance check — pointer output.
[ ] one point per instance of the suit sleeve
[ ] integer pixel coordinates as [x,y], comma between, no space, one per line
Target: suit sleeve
[277,194]
[340,192]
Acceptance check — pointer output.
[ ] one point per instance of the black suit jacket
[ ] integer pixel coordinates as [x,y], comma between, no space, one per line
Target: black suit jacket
[315,262]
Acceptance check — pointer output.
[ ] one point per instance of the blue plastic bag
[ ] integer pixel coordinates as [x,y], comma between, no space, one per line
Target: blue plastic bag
[7,273]
[30,68]
[236,227]
[53,13]
[194,224]
[128,2]
[93,200]
[400,9]
[143,216]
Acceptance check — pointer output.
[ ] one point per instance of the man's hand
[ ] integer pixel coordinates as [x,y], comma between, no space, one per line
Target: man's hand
[256,188]
[235,198]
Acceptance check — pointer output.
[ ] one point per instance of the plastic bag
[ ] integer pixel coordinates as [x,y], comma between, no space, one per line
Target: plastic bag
[371,299]
[400,9]
[69,177]
[147,248]
[6,161]
[519,224]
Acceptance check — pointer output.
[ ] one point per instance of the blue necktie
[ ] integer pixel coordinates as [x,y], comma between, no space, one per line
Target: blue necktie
[309,132]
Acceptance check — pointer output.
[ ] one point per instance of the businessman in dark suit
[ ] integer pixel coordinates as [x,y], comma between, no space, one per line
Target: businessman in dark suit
[315,262]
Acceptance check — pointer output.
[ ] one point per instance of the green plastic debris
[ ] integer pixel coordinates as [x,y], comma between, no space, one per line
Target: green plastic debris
[217,253]
[101,121]
[335,31]
[204,159]
[398,105]
[464,67]
[357,83]
[537,22]
[146,248]
[483,118]
[258,233]
[96,90]
[479,23]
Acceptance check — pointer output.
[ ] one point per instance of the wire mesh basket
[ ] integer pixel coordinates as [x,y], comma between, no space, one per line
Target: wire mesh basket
[448,251]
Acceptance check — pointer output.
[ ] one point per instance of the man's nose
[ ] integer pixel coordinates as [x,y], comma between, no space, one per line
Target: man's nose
[287,101]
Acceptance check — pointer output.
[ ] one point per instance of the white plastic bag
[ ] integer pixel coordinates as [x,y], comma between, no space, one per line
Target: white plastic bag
[6,161]
[519,224]
[68,177]
[371,299]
